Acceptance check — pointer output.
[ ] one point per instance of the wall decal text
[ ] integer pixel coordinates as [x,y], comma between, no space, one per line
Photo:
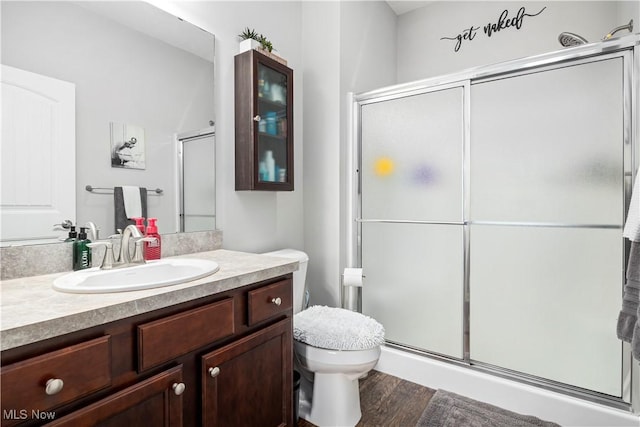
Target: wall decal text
[504,22]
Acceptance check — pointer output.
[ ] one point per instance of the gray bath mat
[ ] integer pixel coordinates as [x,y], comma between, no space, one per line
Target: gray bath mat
[446,409]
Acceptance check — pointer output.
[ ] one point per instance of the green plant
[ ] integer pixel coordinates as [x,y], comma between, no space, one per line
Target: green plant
[250,33]
[266,44]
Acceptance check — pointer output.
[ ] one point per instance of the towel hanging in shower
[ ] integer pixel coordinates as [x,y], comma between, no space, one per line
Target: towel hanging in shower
[632,225]
[628,328]
[628,317]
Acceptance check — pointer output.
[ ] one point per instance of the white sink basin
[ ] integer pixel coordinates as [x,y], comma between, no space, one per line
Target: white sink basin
[153,274]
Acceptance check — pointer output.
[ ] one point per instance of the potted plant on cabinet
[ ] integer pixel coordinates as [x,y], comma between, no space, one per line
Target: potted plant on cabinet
[250,39]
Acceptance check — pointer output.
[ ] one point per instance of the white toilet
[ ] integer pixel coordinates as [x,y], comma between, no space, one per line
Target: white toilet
[333,347]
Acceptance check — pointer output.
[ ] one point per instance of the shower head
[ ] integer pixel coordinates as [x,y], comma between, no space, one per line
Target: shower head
[570,39]
[629,27]
[567,39]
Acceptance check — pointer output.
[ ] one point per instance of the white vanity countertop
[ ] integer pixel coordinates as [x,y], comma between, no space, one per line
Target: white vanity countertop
[31,310]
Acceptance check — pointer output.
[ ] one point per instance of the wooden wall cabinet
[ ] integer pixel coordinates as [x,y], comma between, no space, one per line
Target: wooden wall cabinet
[226,359]
[263,123]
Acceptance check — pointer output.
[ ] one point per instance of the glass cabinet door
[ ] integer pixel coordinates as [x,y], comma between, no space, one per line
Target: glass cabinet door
[272,144]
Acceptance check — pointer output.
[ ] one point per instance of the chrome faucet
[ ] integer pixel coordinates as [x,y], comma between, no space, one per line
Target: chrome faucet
[94,231]
[107,261]
[124,257]
[131,231]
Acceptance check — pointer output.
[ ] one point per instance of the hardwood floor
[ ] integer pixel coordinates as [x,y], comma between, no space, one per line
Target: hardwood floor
[389,401]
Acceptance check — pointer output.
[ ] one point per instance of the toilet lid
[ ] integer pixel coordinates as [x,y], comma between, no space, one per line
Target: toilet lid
[337,329]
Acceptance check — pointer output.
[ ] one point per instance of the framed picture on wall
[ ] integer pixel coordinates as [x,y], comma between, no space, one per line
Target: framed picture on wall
[127,146]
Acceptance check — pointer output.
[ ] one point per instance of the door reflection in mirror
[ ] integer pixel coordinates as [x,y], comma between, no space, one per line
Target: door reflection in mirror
[197,184]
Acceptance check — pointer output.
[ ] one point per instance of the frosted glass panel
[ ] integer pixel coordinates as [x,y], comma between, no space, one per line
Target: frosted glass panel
[199,184]
[414,283]
[548,147]
[544,301]
[412,157]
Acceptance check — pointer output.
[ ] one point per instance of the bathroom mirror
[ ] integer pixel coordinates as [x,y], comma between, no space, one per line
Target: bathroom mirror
[134,66]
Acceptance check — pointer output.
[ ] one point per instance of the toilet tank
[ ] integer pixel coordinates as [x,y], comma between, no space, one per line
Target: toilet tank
[299,276]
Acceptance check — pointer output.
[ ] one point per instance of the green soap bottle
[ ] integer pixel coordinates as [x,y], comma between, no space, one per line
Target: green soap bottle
[81,252]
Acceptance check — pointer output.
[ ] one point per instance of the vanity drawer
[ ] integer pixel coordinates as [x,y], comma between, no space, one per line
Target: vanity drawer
[165,339]
[269,301]
[79,369]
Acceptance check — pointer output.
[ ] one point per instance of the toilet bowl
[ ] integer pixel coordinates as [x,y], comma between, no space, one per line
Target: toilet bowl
[335,399]
[352,363]
[333,348]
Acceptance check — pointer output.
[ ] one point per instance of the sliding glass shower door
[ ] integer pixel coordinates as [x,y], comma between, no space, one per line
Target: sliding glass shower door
[547,205]
[412,213]
[490,218]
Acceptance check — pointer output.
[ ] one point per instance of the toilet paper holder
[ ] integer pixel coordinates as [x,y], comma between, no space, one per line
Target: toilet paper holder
[351,295]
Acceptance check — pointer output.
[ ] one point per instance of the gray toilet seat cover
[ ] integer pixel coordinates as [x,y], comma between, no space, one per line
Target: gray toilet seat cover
[337,329]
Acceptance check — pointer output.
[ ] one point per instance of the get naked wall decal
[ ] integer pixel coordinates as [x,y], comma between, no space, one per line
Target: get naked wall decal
[504,22]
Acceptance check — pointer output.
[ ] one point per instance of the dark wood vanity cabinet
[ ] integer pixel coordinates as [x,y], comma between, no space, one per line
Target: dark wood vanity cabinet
[222,360]
[248,382]
[263,123]
[156,401]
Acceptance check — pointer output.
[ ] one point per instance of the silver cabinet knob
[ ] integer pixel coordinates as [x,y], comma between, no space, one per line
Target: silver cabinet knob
[178,388]
[277,301]
[257,118]
[214,372]
[53,386]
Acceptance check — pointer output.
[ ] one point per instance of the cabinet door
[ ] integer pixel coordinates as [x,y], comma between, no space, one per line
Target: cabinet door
[272,147]
[153,402]
[249,382]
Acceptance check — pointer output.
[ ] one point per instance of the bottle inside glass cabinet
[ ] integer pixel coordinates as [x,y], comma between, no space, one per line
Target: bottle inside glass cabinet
[264,123]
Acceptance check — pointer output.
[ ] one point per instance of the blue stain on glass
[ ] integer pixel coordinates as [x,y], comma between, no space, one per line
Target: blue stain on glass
[424,175]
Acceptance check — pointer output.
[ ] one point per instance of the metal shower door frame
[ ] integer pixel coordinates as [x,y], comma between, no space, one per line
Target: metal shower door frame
[627,48]
[181,140]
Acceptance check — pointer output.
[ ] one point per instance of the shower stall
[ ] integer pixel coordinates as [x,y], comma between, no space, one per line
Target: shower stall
[487,215]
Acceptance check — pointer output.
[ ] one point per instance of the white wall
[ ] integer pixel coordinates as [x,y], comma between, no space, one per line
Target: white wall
[254,221]
[422,54]
[368,42]
[629,9]
[333,48]
[349,47]
[321,38]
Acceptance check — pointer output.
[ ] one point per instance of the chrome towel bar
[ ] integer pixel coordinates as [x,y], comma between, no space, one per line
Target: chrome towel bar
[106,190]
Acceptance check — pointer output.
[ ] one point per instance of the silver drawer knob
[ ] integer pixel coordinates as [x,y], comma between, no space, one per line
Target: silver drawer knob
[214,372]
[53,386]
[277,301]
[178,388]
[257,118]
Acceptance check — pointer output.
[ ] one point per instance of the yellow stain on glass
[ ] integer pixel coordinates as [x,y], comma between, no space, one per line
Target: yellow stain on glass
[384,166]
